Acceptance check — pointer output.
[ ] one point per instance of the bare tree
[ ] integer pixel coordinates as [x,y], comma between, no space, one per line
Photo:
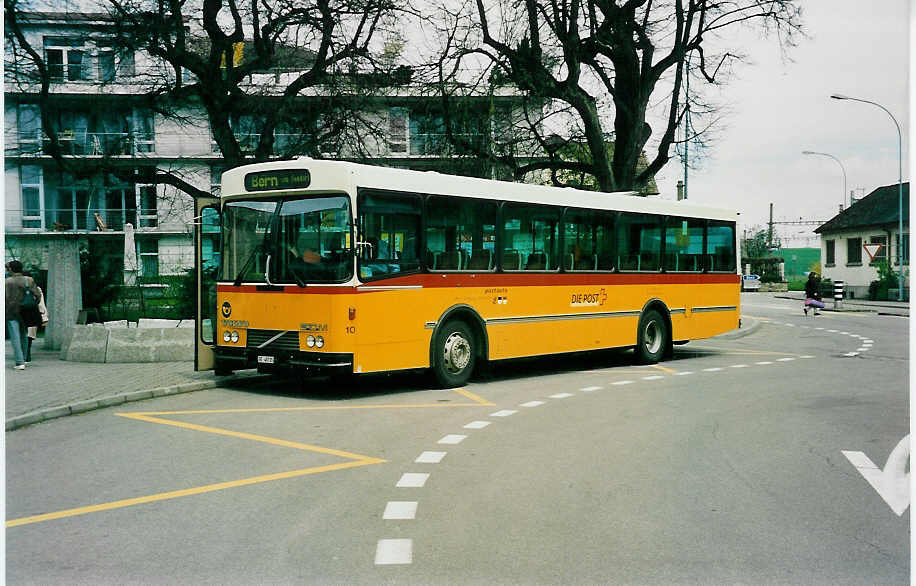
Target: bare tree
[596,68]
[271,78]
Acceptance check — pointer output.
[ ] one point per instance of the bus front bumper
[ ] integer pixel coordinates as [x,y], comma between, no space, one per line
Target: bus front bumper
[318,362]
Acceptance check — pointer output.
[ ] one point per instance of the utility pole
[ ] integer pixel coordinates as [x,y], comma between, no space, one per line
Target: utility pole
[770,230]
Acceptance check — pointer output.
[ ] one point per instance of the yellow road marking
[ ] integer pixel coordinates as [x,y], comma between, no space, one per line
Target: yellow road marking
[664,369]
[473,397]
[148,416]
[242,435]
[188,492]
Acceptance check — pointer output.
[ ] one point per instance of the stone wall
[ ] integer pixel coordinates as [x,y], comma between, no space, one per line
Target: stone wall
[97,343]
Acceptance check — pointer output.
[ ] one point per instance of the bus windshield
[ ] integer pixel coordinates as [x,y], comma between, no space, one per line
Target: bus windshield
[307,240]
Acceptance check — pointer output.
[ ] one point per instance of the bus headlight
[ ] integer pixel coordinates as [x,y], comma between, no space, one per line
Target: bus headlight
[226,336]
[310,341]
[319,342]
[234,337]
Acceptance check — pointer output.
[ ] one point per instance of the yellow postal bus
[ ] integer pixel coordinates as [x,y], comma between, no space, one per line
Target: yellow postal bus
[340,267]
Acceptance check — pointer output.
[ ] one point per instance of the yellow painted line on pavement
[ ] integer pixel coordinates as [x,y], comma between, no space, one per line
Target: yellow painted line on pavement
[149,417]
[247,436]
[664,369]
[473,397]
[187,492]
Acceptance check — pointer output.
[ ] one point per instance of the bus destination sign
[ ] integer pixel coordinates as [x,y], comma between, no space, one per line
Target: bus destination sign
[280,179]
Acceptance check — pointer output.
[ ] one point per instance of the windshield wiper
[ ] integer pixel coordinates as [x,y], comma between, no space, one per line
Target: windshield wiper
[254,252]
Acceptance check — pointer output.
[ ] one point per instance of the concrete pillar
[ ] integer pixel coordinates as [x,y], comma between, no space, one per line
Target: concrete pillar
[64,294]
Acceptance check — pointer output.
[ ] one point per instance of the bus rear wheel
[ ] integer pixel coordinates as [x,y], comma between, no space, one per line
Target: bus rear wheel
[453,354]
[651,337]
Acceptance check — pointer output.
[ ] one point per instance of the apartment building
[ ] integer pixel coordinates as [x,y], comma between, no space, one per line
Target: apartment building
[103,113]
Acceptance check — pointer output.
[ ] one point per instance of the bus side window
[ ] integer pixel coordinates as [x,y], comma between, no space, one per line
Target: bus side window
[390,225]
[460,234]
[720,246]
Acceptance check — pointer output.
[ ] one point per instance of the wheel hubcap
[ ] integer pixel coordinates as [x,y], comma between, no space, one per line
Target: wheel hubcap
[457,353]
[652,337]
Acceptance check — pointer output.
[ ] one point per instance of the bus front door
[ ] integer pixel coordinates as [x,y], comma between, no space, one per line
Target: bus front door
[207,257]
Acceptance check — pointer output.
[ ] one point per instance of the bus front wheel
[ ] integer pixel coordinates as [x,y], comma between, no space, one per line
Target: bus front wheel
[453,354]
[651,337]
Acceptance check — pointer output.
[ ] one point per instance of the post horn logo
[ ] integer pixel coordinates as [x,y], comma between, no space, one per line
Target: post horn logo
[226,309]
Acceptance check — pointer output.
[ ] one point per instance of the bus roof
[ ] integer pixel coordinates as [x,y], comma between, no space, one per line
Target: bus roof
[344,176]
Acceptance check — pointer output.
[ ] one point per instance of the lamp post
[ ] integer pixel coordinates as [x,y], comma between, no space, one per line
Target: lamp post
[838,163]
[899,186]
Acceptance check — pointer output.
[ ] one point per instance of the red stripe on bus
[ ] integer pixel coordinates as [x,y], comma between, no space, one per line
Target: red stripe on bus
[490,280]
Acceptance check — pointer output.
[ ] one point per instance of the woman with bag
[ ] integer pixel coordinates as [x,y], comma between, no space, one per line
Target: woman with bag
[813,294]
[22,296]
[32,322]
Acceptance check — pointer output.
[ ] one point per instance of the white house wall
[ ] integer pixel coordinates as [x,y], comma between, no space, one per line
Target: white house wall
[856,277]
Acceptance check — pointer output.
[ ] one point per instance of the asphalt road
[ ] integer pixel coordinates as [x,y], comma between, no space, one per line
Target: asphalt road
[723,465]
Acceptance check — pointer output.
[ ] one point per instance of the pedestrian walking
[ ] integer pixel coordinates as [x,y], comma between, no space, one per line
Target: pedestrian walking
[33,329]
[813,294]
[21,299]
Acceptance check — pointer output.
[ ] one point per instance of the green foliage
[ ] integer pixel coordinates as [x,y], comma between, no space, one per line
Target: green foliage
[887,279]
[797,284]
[767,268]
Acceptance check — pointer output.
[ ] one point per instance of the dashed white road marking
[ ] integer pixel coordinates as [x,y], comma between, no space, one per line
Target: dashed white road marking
[682,373]
[622,382]
[561,396]
[652,377]
[503,413]
[738,366]
[412,480]
[590,389]
[453,439]
[851,354]
[430,457]
[532,404]
[806,356]
[713,369]
[394,551]
[400,510]
[784,359]
[763,362]
[477,425]
[832,331]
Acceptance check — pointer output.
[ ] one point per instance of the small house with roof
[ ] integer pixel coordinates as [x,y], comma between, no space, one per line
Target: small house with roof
[849,240]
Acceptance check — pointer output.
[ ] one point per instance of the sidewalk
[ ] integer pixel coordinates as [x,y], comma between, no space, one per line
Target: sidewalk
[899,308]
[49,387]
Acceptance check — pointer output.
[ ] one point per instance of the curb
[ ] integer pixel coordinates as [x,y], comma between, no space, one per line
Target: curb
[50,413]
[750,325]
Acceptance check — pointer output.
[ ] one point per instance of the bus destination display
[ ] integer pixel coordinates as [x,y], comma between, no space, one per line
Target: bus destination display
[280,179]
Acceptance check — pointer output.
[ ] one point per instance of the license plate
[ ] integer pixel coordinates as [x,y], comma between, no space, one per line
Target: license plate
[265,359]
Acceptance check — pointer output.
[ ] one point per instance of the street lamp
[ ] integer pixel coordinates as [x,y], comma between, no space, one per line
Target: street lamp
[838,162]
[899,186]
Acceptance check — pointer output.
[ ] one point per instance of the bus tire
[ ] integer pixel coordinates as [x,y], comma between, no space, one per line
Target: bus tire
[453,354]
[651,337]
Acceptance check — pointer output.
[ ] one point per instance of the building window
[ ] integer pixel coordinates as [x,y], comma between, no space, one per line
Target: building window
[30,184]
[830,246]
[397,130]
[881,255]
[216,179]
[30,132]
[67,59]
[905,252]
[853,251]
[146,204]
[148,249]
[106,66]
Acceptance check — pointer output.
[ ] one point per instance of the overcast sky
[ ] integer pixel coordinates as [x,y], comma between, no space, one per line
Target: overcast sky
[779,109]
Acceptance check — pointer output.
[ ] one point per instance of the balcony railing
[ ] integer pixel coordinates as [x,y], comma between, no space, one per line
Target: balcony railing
[437,144]
[79,219]
[108,144]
